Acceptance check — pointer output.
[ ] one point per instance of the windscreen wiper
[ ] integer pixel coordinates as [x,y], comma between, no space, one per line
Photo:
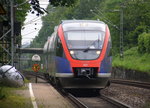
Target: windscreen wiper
[87,49]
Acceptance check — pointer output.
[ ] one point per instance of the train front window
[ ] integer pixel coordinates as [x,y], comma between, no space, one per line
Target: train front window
[84,39]
[84,45]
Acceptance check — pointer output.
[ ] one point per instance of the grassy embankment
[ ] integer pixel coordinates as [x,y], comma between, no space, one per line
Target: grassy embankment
[133,60]
[11,97]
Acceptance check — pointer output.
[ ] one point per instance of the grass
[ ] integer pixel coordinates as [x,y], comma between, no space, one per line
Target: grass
[10,99]
[147,105]
[133,60]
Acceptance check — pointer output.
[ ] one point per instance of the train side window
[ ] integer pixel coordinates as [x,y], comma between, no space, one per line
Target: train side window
[59,48]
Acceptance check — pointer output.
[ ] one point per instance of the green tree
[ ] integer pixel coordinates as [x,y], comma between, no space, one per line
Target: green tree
[144,43]
[83,9]
[136,20]
[20,14]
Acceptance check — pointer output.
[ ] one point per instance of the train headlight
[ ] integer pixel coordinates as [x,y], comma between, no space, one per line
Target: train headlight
[98,52]
[71,52]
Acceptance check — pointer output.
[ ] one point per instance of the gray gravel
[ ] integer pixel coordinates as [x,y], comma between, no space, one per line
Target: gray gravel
[132,96]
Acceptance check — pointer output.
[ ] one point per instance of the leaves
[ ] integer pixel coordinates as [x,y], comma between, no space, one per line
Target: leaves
[62,2]
[36,7]
[136,18]
[144,43]
[20,14]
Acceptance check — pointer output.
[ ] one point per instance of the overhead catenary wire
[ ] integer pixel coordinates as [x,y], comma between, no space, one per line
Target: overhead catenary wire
[28,38]
[22,3]
[109,22]
[32,20]
[104,18]
[29,33]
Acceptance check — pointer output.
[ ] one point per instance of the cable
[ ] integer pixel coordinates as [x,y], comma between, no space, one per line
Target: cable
[22,3]
[29,33]
[32,20]
[105,19]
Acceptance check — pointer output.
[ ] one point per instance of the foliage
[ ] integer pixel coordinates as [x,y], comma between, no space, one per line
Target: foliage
[20,7]
[20,14]
[135,33]
[50,21]
[147,104]
[133,60]
[35,4]
[62,2]
[83,9]
[141,47]
[10,98]
[144,43]
[109,12]
[136,20]
[147,42]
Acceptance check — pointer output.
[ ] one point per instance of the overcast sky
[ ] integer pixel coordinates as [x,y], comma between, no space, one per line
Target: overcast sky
[32,25]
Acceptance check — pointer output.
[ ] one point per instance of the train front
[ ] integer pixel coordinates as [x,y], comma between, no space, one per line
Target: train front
[87,61]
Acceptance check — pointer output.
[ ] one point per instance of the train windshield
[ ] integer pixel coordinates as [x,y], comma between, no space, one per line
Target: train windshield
[85,45]
[84,39]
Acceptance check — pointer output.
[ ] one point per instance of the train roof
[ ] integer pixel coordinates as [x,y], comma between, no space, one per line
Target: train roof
[81,21]
[83,25]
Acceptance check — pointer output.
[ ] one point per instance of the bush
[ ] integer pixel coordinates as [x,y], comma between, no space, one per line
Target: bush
[144,43]
[133,36]
[147,42]
[141,48]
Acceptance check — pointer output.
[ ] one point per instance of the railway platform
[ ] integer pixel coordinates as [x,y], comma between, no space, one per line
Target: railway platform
[43,95]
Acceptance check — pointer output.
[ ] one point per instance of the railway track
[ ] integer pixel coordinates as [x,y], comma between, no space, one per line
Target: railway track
[131,83]
[87,102]
[76,101]
[98,102]
[116,81]
[115,102]
[101,101]
[38,74]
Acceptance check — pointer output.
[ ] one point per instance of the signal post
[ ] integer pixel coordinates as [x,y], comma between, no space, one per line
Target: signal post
[36,67]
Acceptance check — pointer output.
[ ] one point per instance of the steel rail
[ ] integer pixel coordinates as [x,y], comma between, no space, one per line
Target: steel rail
[38,74]
[76,101]
[110,101]
[131,83]
[115,102]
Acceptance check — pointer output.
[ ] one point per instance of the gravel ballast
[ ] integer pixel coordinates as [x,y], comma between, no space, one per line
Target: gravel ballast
[132,96]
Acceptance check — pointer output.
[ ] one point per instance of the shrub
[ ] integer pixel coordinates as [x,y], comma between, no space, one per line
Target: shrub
[144,43]
[147,42]
[133,36]
[141,48]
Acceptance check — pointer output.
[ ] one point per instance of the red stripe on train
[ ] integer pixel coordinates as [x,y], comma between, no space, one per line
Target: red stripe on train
[84,63]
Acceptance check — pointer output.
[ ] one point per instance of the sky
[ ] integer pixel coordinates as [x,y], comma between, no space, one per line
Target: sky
[32,25]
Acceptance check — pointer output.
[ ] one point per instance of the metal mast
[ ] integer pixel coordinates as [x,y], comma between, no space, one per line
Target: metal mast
[12,31]
[121,33]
